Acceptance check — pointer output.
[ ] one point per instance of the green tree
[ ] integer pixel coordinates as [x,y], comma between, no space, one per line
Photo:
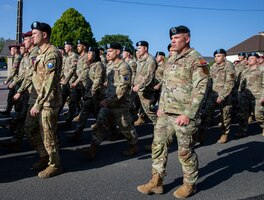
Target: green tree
[2,43]
[122,39]
[70,27]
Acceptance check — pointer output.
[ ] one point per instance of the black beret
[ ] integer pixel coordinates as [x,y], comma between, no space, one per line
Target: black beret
[127,49]
[41,26]
[242,54]
[13,45]
[160,53]
[60,47]
[114,45]
[169,46]
[27,34]
[68,42]
[93,49]
[178,30]
[253,54]
[101,48]
[142,43]
[221,51]
[82,42]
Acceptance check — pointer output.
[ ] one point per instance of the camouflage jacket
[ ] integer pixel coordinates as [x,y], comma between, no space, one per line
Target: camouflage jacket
[240,67]
[96,79]
[13,71]
[222,79]
[70,68]
[82,65]
[252,83]
[159,73]
[46,78]
[146,67]
[25,61]
[27,81]
[184,84]
[133,65]
[119,85]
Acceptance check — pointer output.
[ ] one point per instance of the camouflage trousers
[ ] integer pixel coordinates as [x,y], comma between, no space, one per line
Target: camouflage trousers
[163,131]
[147,100]
[247,106]
[20,116]
[75,100]
[90,106]
[41,131]
[225,109]
[121,117]
[10,101]
[66,91]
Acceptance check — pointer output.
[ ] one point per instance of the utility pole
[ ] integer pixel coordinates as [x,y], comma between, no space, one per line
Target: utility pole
[19,21]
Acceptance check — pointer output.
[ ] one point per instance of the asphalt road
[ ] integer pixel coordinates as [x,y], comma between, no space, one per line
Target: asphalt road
[226,171]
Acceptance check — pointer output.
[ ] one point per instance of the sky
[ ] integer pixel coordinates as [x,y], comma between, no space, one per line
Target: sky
[213,24]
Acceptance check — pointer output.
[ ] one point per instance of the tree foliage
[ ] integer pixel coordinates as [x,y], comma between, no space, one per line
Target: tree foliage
[70,27]
[2,43]
[122,39]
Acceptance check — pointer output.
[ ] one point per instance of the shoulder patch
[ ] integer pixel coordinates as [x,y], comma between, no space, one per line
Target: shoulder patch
[202,61]
[50,65]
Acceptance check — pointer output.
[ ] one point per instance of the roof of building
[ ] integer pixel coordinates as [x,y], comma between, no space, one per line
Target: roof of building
[5,50]
[254,43]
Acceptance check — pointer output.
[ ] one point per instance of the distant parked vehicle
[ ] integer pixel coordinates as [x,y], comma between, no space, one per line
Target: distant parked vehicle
[3,63]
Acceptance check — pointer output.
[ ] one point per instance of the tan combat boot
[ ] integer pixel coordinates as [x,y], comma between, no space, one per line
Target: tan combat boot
[223,139]
[49,172]
[41,164]
[131,150]
[139,121]
[155,185]
[250,119]
[90,152]
[186,190]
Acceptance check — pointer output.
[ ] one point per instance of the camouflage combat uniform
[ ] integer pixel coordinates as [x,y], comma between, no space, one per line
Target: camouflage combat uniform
[46,92]
[78,91]
[94,93]
[251,90]
[13,71]
[118,99]
[183,90]
[69,76]
[146,67]
[222,79]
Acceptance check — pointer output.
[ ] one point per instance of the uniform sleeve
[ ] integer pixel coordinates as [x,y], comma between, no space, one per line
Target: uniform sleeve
[199,85]
[230,81]
[122,87]
[14,69]
[98,79]
[73,68]
[51,64]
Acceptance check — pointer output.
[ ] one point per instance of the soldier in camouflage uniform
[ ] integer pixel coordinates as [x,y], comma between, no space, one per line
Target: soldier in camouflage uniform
[144,81]
[69,72]
[115,105]
[171,50]
[251,92]
[222,82]
[22,94]
[46,92]
[13,71]
[183,90]
[103,56]
[94,90]
[80,81]
[240,66]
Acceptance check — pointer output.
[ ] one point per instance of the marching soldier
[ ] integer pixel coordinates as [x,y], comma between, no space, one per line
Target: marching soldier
[222,77]
[183,91]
